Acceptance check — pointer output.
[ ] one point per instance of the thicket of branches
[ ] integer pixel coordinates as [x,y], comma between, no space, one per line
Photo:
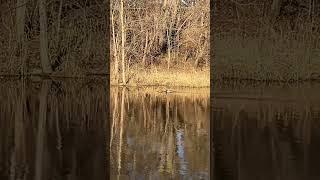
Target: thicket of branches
[254,17]
[168,33]
[266,40]
[75,31]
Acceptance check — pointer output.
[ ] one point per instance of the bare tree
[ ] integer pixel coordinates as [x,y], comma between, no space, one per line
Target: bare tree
[122,42]
[44,56]
[145,50]
[115,47]
[153,35]
[20,23]
[59,20]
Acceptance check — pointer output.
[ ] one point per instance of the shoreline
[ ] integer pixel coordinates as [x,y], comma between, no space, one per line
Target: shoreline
[177,76]
[182,76]
[168,83]
[152,85]
[102,75]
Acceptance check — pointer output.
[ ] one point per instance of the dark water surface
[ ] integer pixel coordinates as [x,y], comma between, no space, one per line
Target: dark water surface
[159,136]
[266,133]
[53,130]
[59,129]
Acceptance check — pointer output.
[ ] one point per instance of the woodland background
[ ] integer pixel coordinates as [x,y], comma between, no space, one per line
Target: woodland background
[160,42]
[168,40]
[271,40]
[53,36]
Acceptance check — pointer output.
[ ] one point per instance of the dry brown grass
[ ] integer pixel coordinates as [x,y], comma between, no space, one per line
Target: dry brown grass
[161,76]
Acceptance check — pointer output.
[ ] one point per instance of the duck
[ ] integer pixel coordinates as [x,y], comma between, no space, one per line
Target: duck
[167,91]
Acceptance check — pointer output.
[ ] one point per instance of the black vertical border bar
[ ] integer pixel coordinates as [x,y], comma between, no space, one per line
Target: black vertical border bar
[211,122]
[107,56]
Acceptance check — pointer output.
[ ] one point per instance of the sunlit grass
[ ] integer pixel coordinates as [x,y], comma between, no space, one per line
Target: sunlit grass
[173,77]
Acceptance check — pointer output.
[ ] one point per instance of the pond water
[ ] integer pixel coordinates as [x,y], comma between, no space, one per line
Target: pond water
[264,133]
[53,130]
[59,129]
[159,136]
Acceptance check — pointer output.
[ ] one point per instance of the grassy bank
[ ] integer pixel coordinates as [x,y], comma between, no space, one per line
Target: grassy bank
[161,76]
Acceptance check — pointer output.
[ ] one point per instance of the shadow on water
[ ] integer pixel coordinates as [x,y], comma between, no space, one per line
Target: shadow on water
[159,136]
[53,129]
[266,133]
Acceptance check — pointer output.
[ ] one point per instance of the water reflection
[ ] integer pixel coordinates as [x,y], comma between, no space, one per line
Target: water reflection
[269,133]
[53,129]
[159,136]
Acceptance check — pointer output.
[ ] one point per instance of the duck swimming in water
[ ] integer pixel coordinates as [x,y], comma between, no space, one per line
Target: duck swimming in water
[167,91]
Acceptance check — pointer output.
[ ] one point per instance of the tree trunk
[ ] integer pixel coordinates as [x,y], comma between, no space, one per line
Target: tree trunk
[169,46]
[44,57]
[311,10]
[20,19]
[275,12]
[145,51]
[59,21]
[275,9]
[122,42]
[20,23]
[115,49]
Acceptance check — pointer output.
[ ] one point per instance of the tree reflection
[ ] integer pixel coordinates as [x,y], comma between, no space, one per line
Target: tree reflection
[52,129]
[160,135]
